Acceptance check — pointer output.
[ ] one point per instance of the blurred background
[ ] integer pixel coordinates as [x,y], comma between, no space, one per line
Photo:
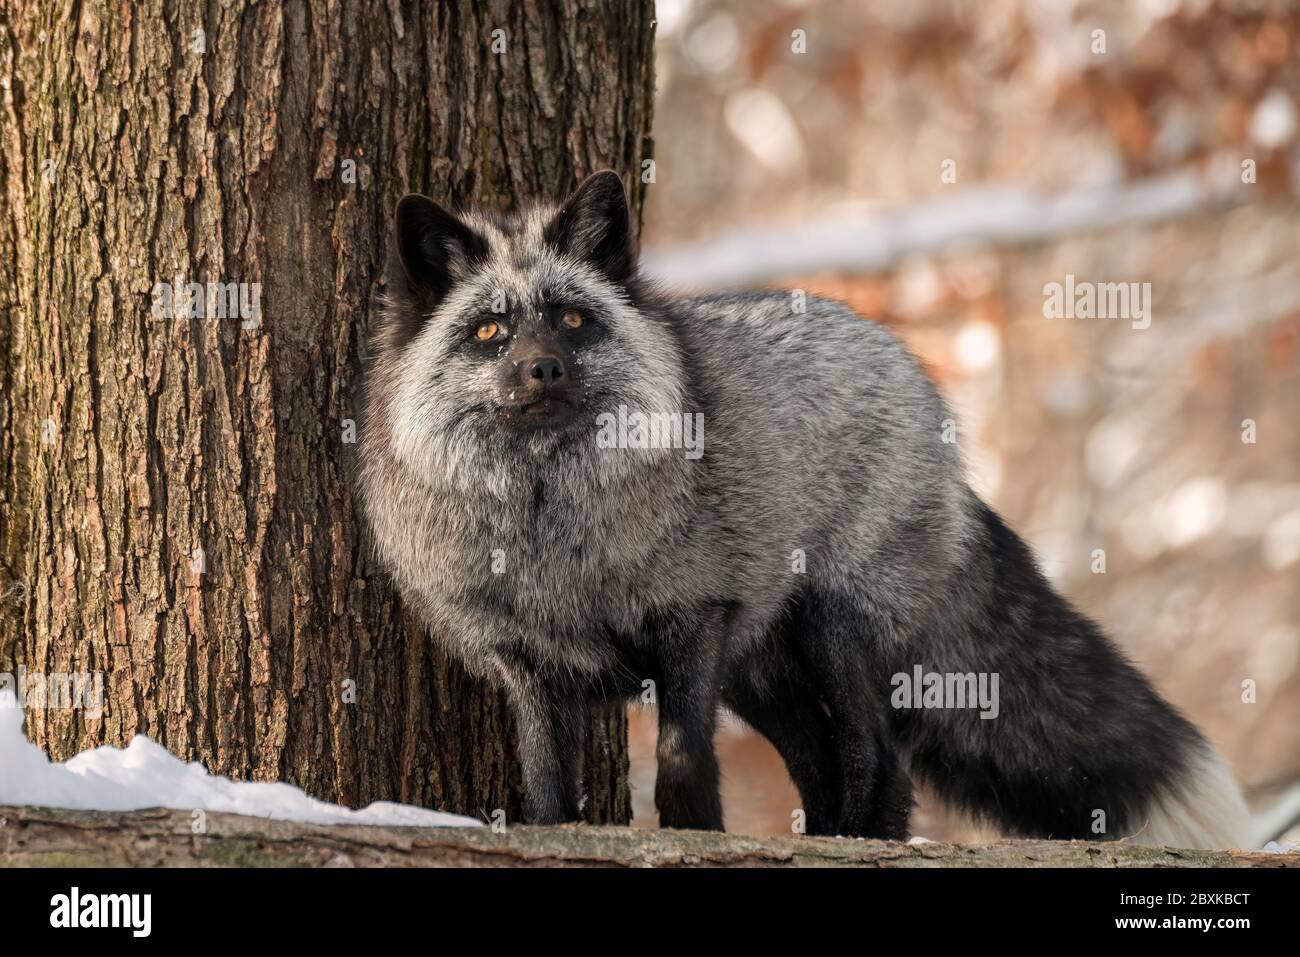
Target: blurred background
[935,164]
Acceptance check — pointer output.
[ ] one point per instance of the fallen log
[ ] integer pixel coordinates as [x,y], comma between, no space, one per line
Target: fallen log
[47,837]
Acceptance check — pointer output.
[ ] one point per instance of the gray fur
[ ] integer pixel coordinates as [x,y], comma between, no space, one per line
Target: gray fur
[823,437]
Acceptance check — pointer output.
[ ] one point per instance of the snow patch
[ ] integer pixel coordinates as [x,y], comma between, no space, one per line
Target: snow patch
[1273,847]
[144,774]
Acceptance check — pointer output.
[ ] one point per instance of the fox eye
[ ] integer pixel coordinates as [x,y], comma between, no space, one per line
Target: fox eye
[571,319]
[487,331]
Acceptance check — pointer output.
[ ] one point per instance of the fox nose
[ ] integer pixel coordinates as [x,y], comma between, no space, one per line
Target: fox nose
[543,371]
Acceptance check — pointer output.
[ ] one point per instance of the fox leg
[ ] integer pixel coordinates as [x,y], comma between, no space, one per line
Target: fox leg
[548,778]
[787,711]
[686,782]
[551,723]
[830,634]
[570,717]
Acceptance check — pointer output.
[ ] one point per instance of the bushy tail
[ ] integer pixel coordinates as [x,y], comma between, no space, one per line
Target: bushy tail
[1081,745]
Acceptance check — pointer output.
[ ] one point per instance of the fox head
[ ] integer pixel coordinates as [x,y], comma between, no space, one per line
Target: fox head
[503,339]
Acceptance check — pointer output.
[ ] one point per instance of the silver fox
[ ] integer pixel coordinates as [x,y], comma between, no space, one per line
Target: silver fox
[825,540]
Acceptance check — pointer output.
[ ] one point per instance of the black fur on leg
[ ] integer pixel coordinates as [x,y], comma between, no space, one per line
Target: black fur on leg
[828,633]
[551,724]
[891,816]
[780,703]
[551,771]
[686,784]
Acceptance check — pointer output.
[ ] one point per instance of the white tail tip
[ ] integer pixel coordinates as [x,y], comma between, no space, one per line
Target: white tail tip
[1204,809]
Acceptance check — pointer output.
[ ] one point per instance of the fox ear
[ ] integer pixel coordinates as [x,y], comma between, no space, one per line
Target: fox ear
[434,245]
[594,225]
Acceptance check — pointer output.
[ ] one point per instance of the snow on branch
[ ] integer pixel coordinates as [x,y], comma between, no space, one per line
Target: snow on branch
[999,215]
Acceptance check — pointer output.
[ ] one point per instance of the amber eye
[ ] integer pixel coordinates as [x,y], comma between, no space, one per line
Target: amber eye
[571,319]
[487,331]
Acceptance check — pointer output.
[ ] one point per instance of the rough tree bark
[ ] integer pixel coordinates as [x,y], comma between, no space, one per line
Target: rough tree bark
[41,837]
[174,496]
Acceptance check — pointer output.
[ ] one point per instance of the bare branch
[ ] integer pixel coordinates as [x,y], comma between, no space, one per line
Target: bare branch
[999,215]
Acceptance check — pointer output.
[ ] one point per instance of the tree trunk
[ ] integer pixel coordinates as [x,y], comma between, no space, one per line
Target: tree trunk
[174,492]
[40,837]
